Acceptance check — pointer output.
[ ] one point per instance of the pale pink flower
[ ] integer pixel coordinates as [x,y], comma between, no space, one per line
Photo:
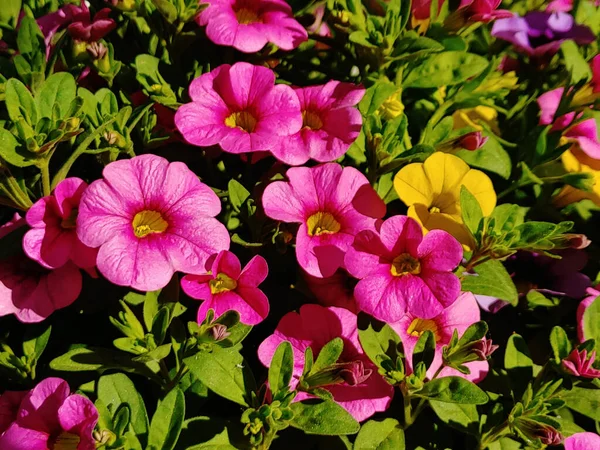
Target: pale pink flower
[331,204]
[582,441]
[150,218]
[579,363]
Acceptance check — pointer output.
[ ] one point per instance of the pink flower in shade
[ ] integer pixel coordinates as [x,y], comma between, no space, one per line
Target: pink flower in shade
[150,218]
[421,9]
[240,108]
[332,204]
[49,417]
[364,392]
[10,402]
[248,25]
[578,363]
[401,270]
[472,141]
[460,315]
[228,287]
[582,441]
[319,27]
[336,290]
[482,10]
[31,292]
[52,241]
[593,294]
[330,124]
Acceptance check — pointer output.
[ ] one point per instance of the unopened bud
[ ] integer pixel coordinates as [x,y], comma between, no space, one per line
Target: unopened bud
[219,332]
[354,373]
[96,50]
[472,141]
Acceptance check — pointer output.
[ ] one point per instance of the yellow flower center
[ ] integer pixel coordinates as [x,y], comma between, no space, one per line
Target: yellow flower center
[322,223]
[246,16]
[418,326]
[70,222]
[65,441]
[434,209]
[311,120]
[243,120]
[222,283]
[404,265]
[147,222]
[392,107]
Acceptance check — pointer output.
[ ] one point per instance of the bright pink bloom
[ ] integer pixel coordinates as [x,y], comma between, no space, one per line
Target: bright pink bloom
[460,315]
[330,124]
[364,391]
[401,270]
[228,287]
[49,417]
[472,141]
[582,441]
[593,294]
[578,363]
[336,290]
[482,10]
[421,9]
[52,241]
[240,108]
[31,292]
[560,6]
[248,25]
[332,204]
[150,218]
[319,27]
[10,402]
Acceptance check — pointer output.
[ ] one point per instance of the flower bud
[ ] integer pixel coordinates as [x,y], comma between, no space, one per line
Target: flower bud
[472,141]
[97,50]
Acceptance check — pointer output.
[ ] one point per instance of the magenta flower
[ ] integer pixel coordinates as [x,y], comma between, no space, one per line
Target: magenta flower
[363,391]
[593,294]
[31,292]
[401,270]
[330,124]
[52,241]
[460,315]
[579,364]
[248,25]
[472,141]
[482,10]
[228,287]
[49,417]
[336,290]
[421,9]
[332,204]
[582,441]
[150,218]
[240,108]
[10,402]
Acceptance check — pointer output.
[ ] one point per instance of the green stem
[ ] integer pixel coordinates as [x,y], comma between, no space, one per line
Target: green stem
[493,435]
[437,116]
[45,169]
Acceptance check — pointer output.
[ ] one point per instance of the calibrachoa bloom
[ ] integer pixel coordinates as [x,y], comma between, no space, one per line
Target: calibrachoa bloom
[240,108]
[336,290]
[582,333]
[475,117]
[332,204]
[248,25]
[10,401]
[431,190]
[459,315]
[150,218]
[401,270]
[228,287]
[52,241]
[570,194]
[50,417]
[31,292]
[330,123]
[482,10]
[358,388]
[579,363]
[582,441]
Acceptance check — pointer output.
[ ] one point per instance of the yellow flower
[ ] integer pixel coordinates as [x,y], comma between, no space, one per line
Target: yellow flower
[431,190]
[499,81]
[472,117]
[569,194]
[392,107]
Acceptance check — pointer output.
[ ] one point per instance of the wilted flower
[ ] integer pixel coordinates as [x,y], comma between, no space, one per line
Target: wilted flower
[582,333]
[580,364]
[582,441]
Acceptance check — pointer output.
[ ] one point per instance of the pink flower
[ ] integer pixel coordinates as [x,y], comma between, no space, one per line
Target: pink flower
[31,292]
[593,294]
[50,417]
[330,124]
[228,287]
[582,441]
[560,6]
[460,315]
[336,290]
[482,10]
[578,363]
[332,204]
[421,9]
[150,218]
[9,407]
[472,141]
[363,391]
[240,108]
[401,270]
[52,241]
[248,25]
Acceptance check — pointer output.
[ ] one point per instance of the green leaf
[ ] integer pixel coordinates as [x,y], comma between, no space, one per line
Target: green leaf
[238,194]
[464,418]
[375,96]
[35,341]
[491,279]
[518,362]
[17,95]
[9,13]
[281,368]
[453,390]
[424,350]
[445,69]
[167,421]
[117,389]
[166,9]
[30,39]
[491,157]
[160,324]
[59,89]
[378,339]
[213,433]
[383,434]
[324,417]
[584,401]
[83,359]
[561,347]
[575,62]
[328,355]
[591,324]
[150,308]
[158,354]
[470,210]
[12,152]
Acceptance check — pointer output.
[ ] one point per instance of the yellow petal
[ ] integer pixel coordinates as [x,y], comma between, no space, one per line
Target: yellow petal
[480,185]
[570,194]
[445,173]
[413,186]
[439,221]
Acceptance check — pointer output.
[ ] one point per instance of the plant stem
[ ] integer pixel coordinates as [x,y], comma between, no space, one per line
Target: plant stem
[45,170]
[493,435]
[15,193]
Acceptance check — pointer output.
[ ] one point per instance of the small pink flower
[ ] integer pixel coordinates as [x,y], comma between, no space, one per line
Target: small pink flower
[460,315]
[578,363]
[49,417]
[421,9]
[593,294]
[332,204]
[472,141]
[330,124]
[560,6]
[582,441]
[363,392]
[401,270]
[85,28]
[10,402]
[482,10]
[484,348]
[336,290]
[150,218]
[52,241]
[31,292]
[248,25]
[228,287]
[240,108]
